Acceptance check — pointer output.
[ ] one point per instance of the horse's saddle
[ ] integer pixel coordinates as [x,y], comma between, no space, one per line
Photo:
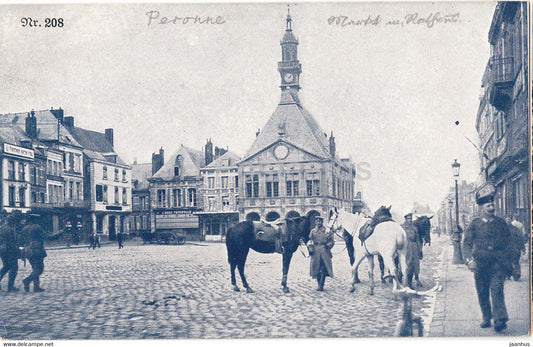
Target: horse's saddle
[368,228]
[271,232]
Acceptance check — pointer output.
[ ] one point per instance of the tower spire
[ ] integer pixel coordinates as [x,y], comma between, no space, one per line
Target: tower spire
[289,19]
[289,67]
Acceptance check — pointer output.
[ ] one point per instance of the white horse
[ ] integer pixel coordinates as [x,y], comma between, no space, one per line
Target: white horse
[388,240]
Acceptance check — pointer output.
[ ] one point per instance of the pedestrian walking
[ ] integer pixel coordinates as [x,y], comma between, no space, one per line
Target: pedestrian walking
[487,248]
[517,245]
[120,239]
[9,252]
[414,250]
[320,244]
[35,253]
[92,242]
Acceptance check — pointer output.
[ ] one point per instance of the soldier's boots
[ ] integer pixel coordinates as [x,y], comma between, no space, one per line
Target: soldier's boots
[26,284]
[321,279]
[36,287]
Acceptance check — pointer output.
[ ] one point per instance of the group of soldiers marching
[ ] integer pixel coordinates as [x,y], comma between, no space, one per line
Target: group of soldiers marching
[21,238]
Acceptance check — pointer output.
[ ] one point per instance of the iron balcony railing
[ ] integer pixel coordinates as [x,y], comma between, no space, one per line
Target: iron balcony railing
[502,70]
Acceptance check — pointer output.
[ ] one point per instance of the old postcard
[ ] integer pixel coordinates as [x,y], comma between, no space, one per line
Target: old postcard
[265,170]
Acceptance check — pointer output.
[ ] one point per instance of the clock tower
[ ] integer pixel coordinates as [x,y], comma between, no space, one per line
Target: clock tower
[289,67]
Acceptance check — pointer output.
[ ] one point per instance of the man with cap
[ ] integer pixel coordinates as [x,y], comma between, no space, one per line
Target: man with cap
[9,251]
[35,253]
[414,250]
[487,251]
[321,265]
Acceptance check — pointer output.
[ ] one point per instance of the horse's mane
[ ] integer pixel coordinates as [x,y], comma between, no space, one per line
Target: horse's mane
[352,222]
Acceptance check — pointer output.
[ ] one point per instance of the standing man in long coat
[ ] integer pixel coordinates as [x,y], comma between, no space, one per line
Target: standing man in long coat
[322,242]
[414,250]
[488,250]
[9,252]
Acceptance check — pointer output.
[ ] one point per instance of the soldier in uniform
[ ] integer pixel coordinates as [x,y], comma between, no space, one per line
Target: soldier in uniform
[414,250]
[322,242]
[487,250]
[9,252]
[35,253]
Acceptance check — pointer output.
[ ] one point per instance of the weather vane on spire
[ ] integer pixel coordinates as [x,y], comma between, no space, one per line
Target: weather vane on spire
[289,20]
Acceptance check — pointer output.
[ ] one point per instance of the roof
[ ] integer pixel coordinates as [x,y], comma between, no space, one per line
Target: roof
[47,125]
[191,162]
[12,134]
[141,173]
[91,140]
[221,162]
[293,124]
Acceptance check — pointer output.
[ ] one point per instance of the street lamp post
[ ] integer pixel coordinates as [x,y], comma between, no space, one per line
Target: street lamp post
[457,233]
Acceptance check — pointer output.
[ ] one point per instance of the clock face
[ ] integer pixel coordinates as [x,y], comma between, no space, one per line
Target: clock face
[288,77]
[281,152]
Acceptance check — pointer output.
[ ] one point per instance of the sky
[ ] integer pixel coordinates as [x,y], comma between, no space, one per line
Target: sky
[391,94]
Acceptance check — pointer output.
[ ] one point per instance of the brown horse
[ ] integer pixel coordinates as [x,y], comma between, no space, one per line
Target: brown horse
[241,237]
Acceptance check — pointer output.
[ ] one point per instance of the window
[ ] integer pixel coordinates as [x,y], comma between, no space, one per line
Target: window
[192,197]
[49,166]
[22,197]
[210,182]
[22,173]
[291,182]
[70,190]
[117,197]
[225,203]
[252,186]
[176,171]
[104,172]
[116,174]
[161,198]
[177,197]
[124,196]
[313,184]
[211,203]
[105,194]
[124,176]
[42,197]
[99,193]
[236,182]
[11,196]
[224,182]
[78,190]
[11,170]
[272,185]
[135,201]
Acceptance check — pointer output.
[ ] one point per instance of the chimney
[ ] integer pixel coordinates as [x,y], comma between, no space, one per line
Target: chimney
[332,145]
[31,125]
[208,152]
[68,121]
[158,160]
[109,136]
[58,114]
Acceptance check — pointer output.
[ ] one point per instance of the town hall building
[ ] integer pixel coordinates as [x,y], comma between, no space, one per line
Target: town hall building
[292,168]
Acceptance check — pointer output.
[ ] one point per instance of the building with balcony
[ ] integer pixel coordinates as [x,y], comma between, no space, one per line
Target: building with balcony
[502,118]
[292,168]
[220,192]
[175,191]
[16,161]
[107,182]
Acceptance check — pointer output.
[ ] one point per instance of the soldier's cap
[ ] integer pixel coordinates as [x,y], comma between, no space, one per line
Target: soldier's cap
[409,215]
[485,194]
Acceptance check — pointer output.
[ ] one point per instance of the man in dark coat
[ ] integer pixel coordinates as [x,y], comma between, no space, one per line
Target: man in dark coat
[414,250]
[9,252]
[322,242]
[120,239]
[35,253]
[487,249]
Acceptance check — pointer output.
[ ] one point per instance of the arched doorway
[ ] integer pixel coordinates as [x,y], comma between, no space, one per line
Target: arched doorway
[272,216]
[253,216]
[311,216]
[292,214]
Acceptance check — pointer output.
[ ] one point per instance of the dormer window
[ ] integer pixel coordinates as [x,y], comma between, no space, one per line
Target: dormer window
[176,171]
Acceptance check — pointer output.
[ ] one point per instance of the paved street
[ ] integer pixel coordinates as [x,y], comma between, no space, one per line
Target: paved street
[154,291]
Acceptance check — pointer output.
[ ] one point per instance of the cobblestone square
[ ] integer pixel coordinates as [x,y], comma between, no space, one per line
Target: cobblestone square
[155,291]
